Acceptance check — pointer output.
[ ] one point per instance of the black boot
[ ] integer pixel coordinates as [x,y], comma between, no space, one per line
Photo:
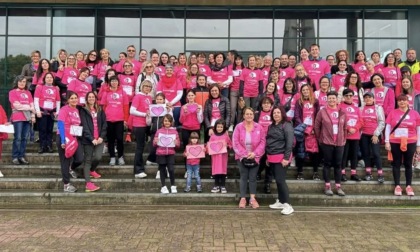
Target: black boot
[267,188]
[41,150]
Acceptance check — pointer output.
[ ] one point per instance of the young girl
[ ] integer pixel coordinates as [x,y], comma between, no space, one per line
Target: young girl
[193,165]
[165,155]
[155,123]
[219,161]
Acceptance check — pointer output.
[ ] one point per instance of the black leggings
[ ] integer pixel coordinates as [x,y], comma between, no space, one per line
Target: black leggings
[280,175]
[115,131]
[332,158]
[219,180]
[162,170]
[350,153]
[397,155]
[263,166]
[314,157]
[367,148]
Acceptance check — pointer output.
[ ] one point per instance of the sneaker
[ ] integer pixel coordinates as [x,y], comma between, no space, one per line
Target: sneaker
[254,203]
[41,150]
[94,174]
[199,189]
[158,175]
[242,203]
[141,175]
[328,191]
[112,161]
[398,191]
[356,178]
[105,150]
[1,175]
[69,188]
[186,175]
[316,176]
[49,149]
[293,163]
[300,176]
[215,189]
[288,209]
[187,189]
[409,191]
[343,177]
[91,187]
[173,189]
[277,205]
[150,163]
[128,138]
[381,179]
[361,163]
[368,177]
[231,128]
[73,174]
[15,161]
[223,189]
[22,160]
[164,190]
[121,161]
[340,192]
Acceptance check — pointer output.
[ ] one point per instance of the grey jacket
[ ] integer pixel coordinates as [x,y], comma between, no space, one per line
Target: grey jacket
[279,139]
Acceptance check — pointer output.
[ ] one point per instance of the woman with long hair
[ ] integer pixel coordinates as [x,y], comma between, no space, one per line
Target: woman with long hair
[221,74]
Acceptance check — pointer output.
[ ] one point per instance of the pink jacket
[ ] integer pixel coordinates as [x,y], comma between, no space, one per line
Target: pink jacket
[258,141]
[163,151]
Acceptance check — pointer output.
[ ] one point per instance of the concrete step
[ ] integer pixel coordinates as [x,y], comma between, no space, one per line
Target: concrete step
[102,199]
[128,185]
[108,171]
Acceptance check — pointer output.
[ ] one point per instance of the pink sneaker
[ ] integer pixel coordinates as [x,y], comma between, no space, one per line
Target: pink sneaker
[94,174]
[398,191]
[409,191]
[91,187]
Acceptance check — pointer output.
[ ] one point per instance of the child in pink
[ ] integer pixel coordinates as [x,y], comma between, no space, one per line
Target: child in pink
[193,164]
[219,161]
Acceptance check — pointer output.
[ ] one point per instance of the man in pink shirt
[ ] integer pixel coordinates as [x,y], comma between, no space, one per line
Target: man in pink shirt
[316,67]
[285,70]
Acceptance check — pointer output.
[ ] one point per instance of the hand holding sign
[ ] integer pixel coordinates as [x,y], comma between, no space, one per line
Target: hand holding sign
[157,110]
[217,147]
[195,151]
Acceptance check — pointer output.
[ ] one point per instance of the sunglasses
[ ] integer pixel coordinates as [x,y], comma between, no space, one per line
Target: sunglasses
[149,66]
[127,65]
[131,50]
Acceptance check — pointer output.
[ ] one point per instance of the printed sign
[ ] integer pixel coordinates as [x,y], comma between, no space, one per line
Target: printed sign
[217,147]
[195,151]
[157,110]
[166,140]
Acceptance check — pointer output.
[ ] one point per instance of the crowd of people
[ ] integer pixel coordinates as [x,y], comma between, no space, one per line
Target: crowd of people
[332,112]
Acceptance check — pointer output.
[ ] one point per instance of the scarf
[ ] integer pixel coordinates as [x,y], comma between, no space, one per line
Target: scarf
[168,82]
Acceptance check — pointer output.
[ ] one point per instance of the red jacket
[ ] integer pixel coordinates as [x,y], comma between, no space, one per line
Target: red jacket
[324,128]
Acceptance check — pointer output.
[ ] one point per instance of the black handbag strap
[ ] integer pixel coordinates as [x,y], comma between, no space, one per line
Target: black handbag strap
[399,122]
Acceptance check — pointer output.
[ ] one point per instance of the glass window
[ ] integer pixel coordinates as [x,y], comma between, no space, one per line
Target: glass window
[73,44]
[286,25]
[207,23]
[169,45]
[263,45]
[163,23]
[331,46]
[337,23]
[119,22]
[385,24]
[2,47]
[29,21]
[25,45]
[384,46]
[2,21]
[117,45]
[74,22]
[207,45]
[251,24]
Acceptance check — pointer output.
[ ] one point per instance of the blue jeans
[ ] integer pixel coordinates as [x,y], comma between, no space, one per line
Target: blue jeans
[196,170]
[20,138]
[225,93]
[176,112]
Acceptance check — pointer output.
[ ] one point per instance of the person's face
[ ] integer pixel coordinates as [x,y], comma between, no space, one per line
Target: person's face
[110,74]
[211,58]
[155,59]
[45,65]
[390,59]
[49,79]
[230,57]
[194,140]
[360,56]
[251,62]
[104,55]
[377,81]
[194,69]
[22,84]
[145,88]
[274,75]
[71,60]
[348,98]
[219,59]
[402,104]
[91,100]
[182,60]
[169,72]
[353,79]
[219,128]
[73,100]
[160,100]
[164,58]
[284,61]
[121,57]
[411,55]
[305,92]
[406,84]
[292,61]
[276,63]
[190,97]
[277,115]
[268,61]
[149,68]
[114,84]
[397,54]
[128,68]
[215,92]
[342,56]
[166,123]
[249,115]
[270,88]
[80,56]
[266,106]
[193,59]
[238,62]
[172,60]
[63,56]
[332,101]
[376,58]
[143,55]
[304,54]
[368,100]
[35,58]
[92,56]
[289,86]
[202,59]
[131,52]
[324,84]
[342,66]
[315,51]
[331,61]
[201,81]
[369,66]
[300,72]
[83,75]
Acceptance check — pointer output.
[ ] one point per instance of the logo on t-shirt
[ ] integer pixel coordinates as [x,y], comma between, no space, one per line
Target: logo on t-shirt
[202,70]
[369,111]
[115,96]
[216,104]
[308,105]
[72,73]
[392,72]
[84,88]
[266,118]
[49,91]
[315,66]
[127,80]
[252,75]
[24,96]
[334,114]
[283,73]
[380,95]
[350,109]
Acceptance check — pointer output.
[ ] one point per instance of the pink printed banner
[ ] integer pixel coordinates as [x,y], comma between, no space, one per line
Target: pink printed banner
[216,147]
[157,110]
[195,151]
[166,140]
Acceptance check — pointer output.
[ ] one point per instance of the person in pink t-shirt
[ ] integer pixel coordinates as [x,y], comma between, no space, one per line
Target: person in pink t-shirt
[302,77]
[384,96]
[80,60]
[304,55]
[353,82]
[45,67]
[359,62]
[102,65]
[3,136]
[251,84]
[376,58]
[203,67]
[221,74]
[390,71]
[402,138]
[237,68]
[408,90]
[80,86]
[315,66]
[193,164]
[339,77]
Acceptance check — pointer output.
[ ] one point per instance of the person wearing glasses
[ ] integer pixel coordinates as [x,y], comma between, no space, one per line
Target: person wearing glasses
[148,73]
[29,69]
[91,60]
[131,57]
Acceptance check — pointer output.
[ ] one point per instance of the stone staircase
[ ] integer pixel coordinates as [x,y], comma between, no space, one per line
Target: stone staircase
[40,184]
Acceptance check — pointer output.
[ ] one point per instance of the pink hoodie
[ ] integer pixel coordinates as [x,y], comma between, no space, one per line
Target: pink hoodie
[258,141]
[191,118]
[163,151]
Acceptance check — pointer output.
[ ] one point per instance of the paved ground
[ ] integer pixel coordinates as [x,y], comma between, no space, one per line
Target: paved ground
[169,228]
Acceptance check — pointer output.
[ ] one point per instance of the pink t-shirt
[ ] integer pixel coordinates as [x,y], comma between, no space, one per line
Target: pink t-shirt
[236,79]
[81,64]
[333,114]
[251,80]
[215,112]
[353,113]
[67,74]
[141,102]
[170,92]
[192,83]
[407,128]
[181,74]
[265,120]
[370,120]
[379,95]
[204,69]
[70,116]
[24,97]
[99,70]
[222,75]
[301,82]
[40,81]
[114,102]
[322,98]
[390,75]
[266,75]
[161,71]
[285,73]
[308,111]
[95,123]
[316,69]
[284,99]
[128,83]
[359,68]
[48,96]
[81,88]
[355,95]
[338,81]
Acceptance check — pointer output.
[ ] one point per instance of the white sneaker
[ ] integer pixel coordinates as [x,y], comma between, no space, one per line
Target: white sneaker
[277,205]
[173,189]
[185,176]
[164,190]
[140,175]
[112,161]
[150,163]
[121,161]
[105,150]
[231,128]
[293,164]
[1,175]
[361,163]
[158,175]
[288,209]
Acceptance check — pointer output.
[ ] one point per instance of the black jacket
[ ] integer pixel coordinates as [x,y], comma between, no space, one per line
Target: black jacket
[224,107]
[87,123]
[279,139]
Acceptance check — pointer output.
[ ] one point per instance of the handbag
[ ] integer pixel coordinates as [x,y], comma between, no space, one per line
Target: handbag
[288,104]
[249,163]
